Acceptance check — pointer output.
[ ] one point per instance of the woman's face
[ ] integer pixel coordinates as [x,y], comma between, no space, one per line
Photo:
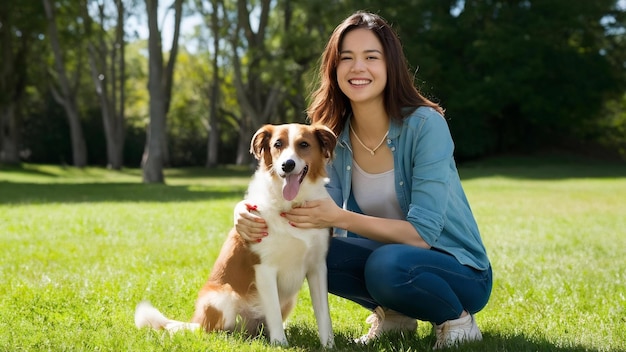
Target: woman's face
[362,71]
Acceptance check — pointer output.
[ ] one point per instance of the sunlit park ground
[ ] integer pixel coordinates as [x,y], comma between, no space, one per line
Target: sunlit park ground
[81,247]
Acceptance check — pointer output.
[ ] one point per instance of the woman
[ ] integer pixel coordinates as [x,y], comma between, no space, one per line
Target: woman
[406,243]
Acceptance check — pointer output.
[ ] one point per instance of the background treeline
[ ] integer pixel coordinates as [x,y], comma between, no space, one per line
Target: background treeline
[95,82]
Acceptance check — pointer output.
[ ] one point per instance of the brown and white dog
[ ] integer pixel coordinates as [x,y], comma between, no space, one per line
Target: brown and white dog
[255,285]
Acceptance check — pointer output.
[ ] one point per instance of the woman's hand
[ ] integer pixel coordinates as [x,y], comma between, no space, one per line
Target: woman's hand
[319,213]
[249,225]
[323,213]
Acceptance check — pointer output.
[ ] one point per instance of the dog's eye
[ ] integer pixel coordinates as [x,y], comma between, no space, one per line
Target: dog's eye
[278,144]
[304,145]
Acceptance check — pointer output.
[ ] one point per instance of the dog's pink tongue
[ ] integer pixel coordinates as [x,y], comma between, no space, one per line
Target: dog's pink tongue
[291,187]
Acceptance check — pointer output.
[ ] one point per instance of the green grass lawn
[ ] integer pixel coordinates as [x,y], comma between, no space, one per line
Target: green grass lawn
[81,247]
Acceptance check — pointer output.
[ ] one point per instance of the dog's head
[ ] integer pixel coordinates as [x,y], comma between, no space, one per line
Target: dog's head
[294,152]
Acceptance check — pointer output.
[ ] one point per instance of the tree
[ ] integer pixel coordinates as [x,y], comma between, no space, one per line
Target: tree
[67,94]
[210,12]
[276,57]
[19,27]
[160,88]
[213,138]
[257,99]
[512,75]
[106,59]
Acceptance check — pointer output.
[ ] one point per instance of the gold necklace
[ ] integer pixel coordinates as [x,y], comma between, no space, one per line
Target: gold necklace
[372,151]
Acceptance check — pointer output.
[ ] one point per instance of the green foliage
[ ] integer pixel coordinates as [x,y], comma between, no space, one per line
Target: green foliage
[512,74]
[51,133]
[81,247]
[20,26]
[612,126]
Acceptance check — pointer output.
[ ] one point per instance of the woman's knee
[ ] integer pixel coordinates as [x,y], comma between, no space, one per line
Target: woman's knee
[380,262]
[389,260]
[384,271]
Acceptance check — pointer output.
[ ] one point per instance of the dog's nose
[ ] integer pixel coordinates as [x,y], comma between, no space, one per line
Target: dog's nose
[289,165]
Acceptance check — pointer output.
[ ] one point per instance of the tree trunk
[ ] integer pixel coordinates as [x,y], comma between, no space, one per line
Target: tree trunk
[106,79]
[8,135]
[9,73]
[152,162]
[100,81]
[160,87]
[243,144]
[258,101]
[67,97]
[120,130]
[214,134]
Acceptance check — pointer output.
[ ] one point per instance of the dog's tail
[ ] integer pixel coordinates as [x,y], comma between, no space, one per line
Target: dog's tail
[148,316]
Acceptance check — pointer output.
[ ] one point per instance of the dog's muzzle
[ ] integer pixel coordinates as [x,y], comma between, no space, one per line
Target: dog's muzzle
[292,182]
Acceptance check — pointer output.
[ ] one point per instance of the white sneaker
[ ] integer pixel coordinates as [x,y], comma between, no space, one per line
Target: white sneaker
[454,332]
[384,320]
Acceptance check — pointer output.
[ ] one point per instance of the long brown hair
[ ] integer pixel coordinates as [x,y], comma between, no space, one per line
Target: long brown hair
[331,107]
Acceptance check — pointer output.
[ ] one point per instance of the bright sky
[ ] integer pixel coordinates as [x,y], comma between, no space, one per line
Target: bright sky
[166,23]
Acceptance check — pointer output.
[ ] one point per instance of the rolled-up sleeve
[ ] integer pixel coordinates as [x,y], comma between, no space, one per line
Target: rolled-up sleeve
[431,147]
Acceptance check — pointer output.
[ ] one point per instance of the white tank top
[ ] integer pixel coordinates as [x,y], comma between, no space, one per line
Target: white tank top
[376,194]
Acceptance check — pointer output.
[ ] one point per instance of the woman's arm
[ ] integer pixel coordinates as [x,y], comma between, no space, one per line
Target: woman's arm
[428,150]
[325,213]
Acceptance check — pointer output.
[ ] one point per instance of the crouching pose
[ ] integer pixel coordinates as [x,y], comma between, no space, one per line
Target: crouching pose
[406,244]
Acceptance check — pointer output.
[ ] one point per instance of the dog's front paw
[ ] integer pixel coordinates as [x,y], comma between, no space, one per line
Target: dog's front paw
[329,343]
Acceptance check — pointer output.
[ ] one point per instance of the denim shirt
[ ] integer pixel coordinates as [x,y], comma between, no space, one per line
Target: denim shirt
[427,185]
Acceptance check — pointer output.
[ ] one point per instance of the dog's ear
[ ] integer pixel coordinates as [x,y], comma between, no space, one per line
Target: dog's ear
[328,140]
[261,141]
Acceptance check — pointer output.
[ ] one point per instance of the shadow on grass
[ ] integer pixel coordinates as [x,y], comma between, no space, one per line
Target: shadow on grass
[542,168]
[28,171]
[62,171]
[212,182]
[306,338]
[15,193]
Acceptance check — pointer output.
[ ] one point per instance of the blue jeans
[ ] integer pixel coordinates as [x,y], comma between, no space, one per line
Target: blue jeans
[425,284]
